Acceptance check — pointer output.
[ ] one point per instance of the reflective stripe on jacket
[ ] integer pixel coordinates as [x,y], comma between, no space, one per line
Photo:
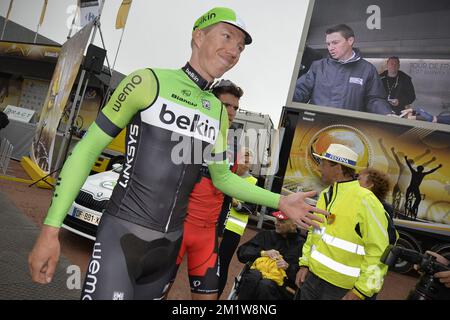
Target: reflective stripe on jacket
[236,221]
[346,252]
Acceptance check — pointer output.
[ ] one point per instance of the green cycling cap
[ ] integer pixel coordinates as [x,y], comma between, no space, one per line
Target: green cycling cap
[222,14]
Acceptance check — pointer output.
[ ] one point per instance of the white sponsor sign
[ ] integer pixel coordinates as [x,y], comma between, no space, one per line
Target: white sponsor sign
[19,114]
[88,12]
[183,120]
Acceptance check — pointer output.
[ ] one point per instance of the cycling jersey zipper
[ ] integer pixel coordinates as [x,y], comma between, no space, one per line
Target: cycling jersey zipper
[175,198]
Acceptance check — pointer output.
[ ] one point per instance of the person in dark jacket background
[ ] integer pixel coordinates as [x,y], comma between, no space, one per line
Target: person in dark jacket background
[343,80]
[284,244]
[398,85]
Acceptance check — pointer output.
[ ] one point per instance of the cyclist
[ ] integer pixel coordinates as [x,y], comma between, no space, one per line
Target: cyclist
[171,119]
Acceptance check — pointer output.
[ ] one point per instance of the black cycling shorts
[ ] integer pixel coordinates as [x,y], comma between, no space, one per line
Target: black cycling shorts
[130,261]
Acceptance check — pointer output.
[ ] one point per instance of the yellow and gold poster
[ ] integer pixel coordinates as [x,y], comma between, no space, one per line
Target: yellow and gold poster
[29,51]
[415,158]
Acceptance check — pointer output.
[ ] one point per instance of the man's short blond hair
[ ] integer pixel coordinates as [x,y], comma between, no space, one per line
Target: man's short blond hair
[205,30]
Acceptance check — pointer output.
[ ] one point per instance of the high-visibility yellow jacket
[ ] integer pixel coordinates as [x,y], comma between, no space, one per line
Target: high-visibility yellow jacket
[237,221]
[346,252]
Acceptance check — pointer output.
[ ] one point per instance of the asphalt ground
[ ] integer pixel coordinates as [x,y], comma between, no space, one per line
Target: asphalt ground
[17,236]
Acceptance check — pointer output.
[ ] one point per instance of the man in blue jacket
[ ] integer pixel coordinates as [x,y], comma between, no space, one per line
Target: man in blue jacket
[343,80]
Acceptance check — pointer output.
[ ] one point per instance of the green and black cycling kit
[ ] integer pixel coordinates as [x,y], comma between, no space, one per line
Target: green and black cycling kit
[173,122]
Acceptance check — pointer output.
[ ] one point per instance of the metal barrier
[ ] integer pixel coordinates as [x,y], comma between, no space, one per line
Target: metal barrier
[6,149]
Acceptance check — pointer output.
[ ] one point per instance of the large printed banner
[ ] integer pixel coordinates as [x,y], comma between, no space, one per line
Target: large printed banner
[416,31]
[29,51]
[416,159]
[415,154]
[66,70]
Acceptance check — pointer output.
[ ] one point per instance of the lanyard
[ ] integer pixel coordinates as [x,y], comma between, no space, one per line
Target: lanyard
[393,86]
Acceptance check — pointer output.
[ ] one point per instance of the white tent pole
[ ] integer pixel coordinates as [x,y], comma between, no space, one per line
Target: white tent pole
[36,34]
[118,47]
[73,23]
[114,65]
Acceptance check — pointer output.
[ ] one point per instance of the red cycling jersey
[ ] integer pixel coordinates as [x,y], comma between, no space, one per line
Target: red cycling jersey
[200,236]
[205,203]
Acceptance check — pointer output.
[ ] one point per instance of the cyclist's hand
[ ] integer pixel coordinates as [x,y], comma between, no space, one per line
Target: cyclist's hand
[45,255]
[297,209]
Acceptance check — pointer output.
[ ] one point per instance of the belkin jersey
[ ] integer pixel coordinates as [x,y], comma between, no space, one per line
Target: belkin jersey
[173,123]
[172,134]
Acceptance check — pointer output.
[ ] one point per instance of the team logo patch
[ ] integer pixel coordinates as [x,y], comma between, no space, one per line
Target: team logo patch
[206,104]
[186,93]
[197,283]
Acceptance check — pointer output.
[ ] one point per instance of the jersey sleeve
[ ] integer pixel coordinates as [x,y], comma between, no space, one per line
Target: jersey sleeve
[136,92]
[237,187]
[230,183]
[220,147]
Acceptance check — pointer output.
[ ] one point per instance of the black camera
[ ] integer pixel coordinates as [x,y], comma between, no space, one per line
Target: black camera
[428,287]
